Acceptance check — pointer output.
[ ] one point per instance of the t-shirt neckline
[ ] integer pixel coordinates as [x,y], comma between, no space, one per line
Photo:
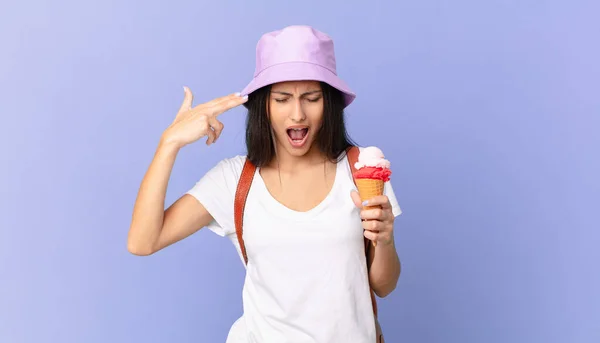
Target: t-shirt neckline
[281,209]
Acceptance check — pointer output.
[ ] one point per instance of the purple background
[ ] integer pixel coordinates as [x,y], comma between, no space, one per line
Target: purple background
[488,110]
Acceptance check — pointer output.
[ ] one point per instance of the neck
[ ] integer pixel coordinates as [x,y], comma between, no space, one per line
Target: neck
[286,162]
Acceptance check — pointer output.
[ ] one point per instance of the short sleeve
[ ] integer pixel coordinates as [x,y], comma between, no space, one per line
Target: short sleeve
[216,192]
[388,190]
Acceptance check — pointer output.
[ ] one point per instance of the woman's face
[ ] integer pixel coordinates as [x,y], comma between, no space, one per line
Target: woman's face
[296,114]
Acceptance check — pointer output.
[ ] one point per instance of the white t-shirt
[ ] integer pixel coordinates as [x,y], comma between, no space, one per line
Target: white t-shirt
[306,278]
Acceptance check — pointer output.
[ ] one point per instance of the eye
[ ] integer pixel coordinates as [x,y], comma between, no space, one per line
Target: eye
[314,99]
[281,100]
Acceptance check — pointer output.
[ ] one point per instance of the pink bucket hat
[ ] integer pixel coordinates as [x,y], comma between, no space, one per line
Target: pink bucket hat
[296,53]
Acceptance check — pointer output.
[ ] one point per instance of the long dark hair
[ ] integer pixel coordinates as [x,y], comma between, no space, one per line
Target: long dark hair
[332,138]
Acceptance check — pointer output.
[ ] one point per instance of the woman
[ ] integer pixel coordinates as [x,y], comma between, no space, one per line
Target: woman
[307,278]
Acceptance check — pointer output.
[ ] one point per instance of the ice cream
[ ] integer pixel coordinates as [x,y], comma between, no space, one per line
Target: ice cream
[372,171]
[372,164]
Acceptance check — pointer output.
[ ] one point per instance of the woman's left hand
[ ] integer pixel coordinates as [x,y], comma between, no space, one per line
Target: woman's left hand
[377,222]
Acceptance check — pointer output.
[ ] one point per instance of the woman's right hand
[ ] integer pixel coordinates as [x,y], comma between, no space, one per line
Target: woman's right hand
[191,124]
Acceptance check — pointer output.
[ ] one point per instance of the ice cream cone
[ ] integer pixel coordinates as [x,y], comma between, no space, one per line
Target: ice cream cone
[372,171]
[368,189]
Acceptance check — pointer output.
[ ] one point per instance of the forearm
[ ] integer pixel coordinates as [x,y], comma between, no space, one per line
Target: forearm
[385,268]
[148,211]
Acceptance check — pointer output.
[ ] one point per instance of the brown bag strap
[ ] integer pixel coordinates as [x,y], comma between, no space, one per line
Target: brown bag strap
[352,153]
[241,193]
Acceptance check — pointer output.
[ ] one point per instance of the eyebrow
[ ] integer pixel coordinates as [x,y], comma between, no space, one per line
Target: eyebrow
[303,94]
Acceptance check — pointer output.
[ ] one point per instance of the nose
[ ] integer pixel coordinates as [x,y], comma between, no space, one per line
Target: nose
[297,112]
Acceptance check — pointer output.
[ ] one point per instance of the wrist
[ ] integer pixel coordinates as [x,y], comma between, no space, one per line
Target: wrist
[165,143]
[388,243]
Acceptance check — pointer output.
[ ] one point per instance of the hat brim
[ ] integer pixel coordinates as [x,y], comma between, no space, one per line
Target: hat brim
[299,71]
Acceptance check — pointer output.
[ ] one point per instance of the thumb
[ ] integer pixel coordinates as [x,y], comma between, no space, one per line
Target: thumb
[356,199]
[187,100]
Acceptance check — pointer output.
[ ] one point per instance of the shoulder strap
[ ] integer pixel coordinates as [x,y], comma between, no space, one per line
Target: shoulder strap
[241,193]
[352,153]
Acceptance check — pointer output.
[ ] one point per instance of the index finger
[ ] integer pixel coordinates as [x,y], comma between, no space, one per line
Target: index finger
[218,100]
[380,200]
[228,104]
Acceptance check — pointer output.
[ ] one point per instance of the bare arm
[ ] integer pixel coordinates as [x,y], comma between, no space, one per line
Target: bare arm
[383,260]
[385,268]
[152,227]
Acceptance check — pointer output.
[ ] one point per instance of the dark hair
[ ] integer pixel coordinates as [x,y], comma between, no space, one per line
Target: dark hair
[332,138]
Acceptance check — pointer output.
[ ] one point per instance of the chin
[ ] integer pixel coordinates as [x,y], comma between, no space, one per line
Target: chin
[298,152]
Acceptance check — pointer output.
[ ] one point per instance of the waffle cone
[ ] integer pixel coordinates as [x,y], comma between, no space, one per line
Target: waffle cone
[368,189]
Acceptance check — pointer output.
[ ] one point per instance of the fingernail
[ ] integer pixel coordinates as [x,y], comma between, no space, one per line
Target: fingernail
[238,94]
[364,203]
[245,97]
[184,89]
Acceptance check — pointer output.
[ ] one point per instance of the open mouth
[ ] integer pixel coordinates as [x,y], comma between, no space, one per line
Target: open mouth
[297,136]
